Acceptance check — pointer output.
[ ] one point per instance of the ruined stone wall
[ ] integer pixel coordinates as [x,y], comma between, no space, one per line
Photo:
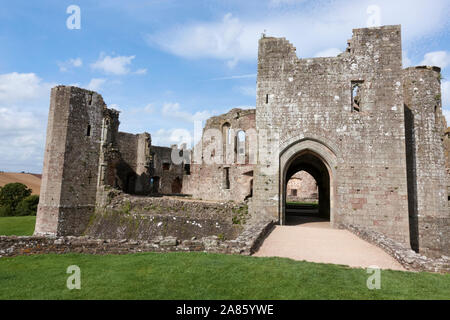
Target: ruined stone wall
[128,145]
[222,166]
[167,175]
[447,148]
[425,128]
[306,105]
[84,153]
[447,159]
[71,161]
[134,169]
[305,188]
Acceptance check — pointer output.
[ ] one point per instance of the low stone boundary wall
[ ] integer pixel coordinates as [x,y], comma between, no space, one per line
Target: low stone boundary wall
[146,218]
[173,206]
[408,258]
[244,244]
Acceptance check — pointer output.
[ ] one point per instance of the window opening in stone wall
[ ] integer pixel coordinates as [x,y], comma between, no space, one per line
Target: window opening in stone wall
[227,178]
[153,161]
[166,166]
[356,95]
[436,115]
[88,131]
[187,169]
[241,143]
[225,138]
[267,98]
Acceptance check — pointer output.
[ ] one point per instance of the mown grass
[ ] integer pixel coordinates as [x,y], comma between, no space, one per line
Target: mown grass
[300,203]
[204,276]
[17,226]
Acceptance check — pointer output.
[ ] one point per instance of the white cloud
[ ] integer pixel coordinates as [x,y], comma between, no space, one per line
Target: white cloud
[310,29]
[64,66]
[217,40]
[116,65]
[113,65]
[96,84]
[168,137]
[24,102]
[170,109]
[16,87]
[331,52]
[140,71]
[436,58]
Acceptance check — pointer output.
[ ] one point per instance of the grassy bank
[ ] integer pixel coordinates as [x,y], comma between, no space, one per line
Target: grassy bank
[204,276]
[17,226]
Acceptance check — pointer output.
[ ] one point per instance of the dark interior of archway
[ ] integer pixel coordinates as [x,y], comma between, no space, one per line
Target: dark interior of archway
[314,166]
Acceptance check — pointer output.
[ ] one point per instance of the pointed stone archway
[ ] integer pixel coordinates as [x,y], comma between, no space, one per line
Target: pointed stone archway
[320,161]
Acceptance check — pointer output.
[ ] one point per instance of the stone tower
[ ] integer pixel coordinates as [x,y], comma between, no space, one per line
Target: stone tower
[71,161]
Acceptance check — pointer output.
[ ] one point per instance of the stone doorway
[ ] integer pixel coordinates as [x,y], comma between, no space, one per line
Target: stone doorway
[318,161]
[311,164]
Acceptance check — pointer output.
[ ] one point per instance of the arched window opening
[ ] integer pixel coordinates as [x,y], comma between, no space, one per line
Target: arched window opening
[226,132]
[241,143]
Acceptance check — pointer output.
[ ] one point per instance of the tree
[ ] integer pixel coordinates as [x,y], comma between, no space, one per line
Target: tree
[12,194]
[28,206]
[6,211]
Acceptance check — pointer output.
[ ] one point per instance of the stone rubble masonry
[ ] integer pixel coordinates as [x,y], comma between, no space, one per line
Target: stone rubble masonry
[306,108]
[246,244]
[169,174]
[143,218]
[207,179]
[71,161]
[305,185]
[428,181]
[85,153]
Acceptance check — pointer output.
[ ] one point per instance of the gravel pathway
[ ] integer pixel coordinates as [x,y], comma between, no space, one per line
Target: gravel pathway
[317,242]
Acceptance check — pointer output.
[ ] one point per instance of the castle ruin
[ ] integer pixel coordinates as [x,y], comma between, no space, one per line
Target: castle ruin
[370,133]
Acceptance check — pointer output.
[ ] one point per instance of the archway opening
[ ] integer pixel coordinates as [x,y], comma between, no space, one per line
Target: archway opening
[306,190]
[177,186]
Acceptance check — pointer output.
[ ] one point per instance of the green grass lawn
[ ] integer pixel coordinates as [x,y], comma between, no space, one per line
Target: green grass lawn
[294,203]
[17,226]
[204,276]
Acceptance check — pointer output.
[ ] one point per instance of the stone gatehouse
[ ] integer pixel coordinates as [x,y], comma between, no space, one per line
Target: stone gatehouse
[370,133]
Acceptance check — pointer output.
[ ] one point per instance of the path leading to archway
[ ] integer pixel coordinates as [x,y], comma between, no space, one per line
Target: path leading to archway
[318,242]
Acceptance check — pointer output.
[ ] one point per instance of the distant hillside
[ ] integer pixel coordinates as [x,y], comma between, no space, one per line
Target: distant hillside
[32,181]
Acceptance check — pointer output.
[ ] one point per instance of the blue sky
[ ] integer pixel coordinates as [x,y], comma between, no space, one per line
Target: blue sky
[166,63]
